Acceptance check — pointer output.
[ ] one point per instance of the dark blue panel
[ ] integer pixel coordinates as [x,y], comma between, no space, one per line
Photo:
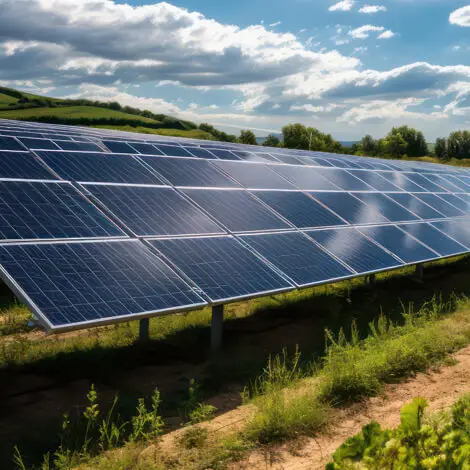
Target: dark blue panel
[118,147]
[458,229]
[222,267]
[266,157]
[146,149]
[422,181]
[461,182]
[440,205]
[202,153]
[53,210]
[375,180]
[401,181]
[238,211]
[433,238]
[99,167]
[443,183]
[224,154]
[153,211]
[43,144]
[300,209]
[81,284]
[350,208]
[250,156]
[305,178]
[399,243]
[353,248]
[173,150]
[298,257]
[463,205]
[189,172]
[254,176]
[22,165]
[57,136]
[343,180]
[416,206]
[388,208]
[291,160]
[20,134]
[9,143]
[321,162]
[79,146]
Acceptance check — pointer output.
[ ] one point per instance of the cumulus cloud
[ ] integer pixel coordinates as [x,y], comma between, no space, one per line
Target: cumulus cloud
[363,32]
[386,35]
[461,17]
[372,9]
[344,5]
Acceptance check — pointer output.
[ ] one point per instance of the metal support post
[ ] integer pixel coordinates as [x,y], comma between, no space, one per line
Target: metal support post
[144,328]
[419,272]
[217,327]
[370,280]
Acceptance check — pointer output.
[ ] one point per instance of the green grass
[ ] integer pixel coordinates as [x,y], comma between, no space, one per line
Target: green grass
[5,100]
[190,134]
[70,112]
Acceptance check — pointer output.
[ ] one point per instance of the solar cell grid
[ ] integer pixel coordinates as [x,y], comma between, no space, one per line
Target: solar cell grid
[172,150]
[43,144]
[10,143]
[305,178]
[386,206]
[146,149]
[78,146]
[119,147]
[22,165]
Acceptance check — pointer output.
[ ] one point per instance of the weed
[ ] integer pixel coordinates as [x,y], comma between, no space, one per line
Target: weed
[194,437]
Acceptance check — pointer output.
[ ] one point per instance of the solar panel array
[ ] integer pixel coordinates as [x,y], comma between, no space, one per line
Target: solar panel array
[100,226]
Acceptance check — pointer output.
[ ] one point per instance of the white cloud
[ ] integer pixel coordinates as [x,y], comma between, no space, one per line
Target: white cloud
[277,23]
[461,17]
[363,32]
[386,35]
[372,9]
[344,5]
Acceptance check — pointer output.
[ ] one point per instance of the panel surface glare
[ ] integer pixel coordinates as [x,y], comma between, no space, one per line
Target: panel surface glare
[92,283]
[189,172]
[299,209]
[401,181]
[399,243]
[426,184]
[49,210]
[238,211]
[458,229]
[463,205]
[254,176]
[416,206]
[440,205]
[22,165]
[98,167]
[375,180]
[354,249]
[79,146]
[298,257]
[433,238]
[349,208]
[148,211]
[221,267]
[387,207]
[343,180]
[305,178]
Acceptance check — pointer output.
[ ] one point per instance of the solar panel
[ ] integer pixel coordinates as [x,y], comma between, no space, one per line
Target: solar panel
[459,181]
[350,208]
[416,206]
[22,165]
[300,209]
[9,143]
[399,243]
[440,205]
[463,205]
[249,156]
[118,147]
[289,159]
[458,229]
[433,238]
[343,180]
[374,180]
[78,146]
[202,153]
[35,210]
[189,172]
[146,149]
[443,183]
[224,154]
[387,207]
[401,181]
[354,249]
[221,267]
[305,178]
[302,260]
[254,176]
[98,167]
[152,211]
[86,284]
[238,211]
[172,150]
[43,144]
[426,184]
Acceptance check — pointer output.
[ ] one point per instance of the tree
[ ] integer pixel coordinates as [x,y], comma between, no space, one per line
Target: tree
[247,137]
[394,145]
[369,145]
[272,141]
[416,145]
[297,136]
[458,145]
[441,149]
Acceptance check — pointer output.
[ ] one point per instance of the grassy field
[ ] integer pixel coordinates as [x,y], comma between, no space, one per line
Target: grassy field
[5,100]
[190,134]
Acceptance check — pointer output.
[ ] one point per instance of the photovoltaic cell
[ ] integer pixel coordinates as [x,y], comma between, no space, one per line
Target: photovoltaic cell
[202,153]
[189,172]
[343,180]
[305,178]
[146,149]
[433,238]
[98,167]
[350,208]
[463,205]
[22,165]
[78,146]
[49,210]
[289,159]
[300,209]
[85,284]
[354,249]
[238,211]
[440,205]
[458,181]
[298,257]
[401,181]
[221,266]
[173,150]
[387,207]
[399,243]
[224,154]
[374,180]
[426,184]
[43,144]
[254,176]
[443,183]
[458,229]
[119,147]
[9,143]
[416,206]
[148,211]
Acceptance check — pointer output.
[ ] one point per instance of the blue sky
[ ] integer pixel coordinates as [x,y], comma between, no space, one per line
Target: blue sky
[348,67]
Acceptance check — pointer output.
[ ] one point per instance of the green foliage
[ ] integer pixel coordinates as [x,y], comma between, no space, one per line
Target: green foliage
[218,135]
[297,136]
[147,424]
[272,141]
[202,412]
[440,149]
[194,437]
[247,137]
[458,145]
[415,444]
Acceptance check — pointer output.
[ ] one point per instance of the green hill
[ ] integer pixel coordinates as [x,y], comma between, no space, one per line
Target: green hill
[15,104]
